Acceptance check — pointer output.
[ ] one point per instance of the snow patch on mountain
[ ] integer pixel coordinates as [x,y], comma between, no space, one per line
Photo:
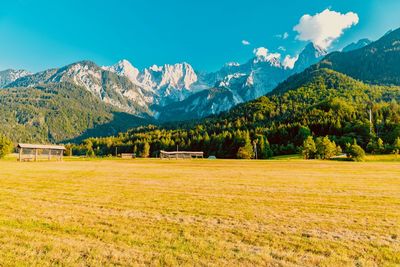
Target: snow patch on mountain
[263,55]
[10,75]
[124,68]
[289,61]
[168,83]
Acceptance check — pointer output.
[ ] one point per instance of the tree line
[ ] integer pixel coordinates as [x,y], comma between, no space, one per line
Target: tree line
[325,105]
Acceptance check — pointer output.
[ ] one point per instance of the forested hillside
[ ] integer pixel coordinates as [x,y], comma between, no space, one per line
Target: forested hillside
[377,63]
[58,113]
[316,102]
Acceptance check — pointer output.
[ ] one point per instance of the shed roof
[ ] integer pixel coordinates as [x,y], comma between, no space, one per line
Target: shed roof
[35,146]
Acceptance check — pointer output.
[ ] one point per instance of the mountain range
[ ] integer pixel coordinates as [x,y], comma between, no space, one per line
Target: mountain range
[155,91]
[178,92]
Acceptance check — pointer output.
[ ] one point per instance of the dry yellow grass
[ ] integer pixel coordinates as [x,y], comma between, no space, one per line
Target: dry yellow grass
[152,212]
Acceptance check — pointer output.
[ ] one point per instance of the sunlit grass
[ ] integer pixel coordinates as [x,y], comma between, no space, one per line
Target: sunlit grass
[204,212]
[392,157]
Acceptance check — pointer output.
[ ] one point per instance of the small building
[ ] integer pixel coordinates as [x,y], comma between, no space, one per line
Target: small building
[180,154]
[28,152]
[127,156]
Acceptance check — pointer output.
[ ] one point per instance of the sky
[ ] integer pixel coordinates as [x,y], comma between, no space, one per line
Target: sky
[41,34]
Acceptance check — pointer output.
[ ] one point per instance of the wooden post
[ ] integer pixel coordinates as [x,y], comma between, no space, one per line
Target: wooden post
[36,154]
[20,154]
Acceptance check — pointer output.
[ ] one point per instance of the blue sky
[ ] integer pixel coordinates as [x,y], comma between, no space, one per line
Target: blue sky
[37,35]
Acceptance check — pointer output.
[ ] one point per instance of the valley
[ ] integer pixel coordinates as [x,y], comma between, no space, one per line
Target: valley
[200,133]
[263,100]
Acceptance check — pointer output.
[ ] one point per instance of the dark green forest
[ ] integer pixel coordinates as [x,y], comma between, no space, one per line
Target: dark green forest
[317,102]
[59,112]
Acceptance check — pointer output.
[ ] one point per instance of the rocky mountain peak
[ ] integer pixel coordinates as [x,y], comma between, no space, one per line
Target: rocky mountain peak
[310,55]
[8,76]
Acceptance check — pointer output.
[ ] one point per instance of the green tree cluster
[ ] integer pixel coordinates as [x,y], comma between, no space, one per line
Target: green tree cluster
[321,148]
[6,146]
[355,152]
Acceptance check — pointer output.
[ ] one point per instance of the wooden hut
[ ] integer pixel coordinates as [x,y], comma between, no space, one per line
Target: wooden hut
[33,152]
[180,154]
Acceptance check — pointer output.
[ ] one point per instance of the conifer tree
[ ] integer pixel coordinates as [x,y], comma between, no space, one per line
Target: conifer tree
[309,149]
[6,146]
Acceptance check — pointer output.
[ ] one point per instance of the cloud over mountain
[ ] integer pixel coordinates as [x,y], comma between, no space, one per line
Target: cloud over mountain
[325,27]
[260,52]
[288,61]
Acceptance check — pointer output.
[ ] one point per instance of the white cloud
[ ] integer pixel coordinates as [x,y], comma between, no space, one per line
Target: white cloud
[285,35]
[325,27]
[245,42]
[289,61]
[282,48]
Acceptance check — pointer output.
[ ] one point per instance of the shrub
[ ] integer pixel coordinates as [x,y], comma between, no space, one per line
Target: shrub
[355,152]
[146,150]
[396,146]
[245,152]
[309,149]
[90,153]
[6,146]
[326,148]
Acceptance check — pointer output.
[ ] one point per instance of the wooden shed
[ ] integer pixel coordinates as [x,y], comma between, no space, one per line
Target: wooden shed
[33,152]
[181,154]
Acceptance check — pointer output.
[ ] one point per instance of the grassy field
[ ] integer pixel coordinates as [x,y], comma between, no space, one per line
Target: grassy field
[223,212]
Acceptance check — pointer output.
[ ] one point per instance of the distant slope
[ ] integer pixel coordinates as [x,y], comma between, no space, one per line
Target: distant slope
[299,96]
[320,78]
[376,63]
[107,86]
[199,105]
[357,45]
[9,76]
[57,112]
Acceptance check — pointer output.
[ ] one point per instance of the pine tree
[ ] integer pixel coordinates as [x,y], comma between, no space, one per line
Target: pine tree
[309,148]
[380,146]
[146,150]
[356,153]
[245,151]
[396,146]
[268,153]
[6,146]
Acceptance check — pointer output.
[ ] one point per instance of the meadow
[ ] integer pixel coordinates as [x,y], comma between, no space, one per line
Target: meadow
[285,212]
